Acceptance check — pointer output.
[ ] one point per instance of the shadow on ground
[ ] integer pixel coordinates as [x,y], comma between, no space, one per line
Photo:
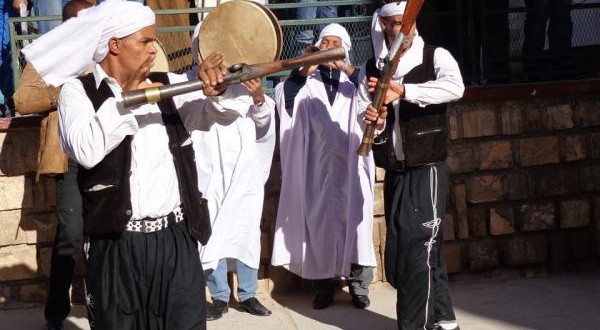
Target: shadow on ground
[553,303]
[33,319]
[341,314]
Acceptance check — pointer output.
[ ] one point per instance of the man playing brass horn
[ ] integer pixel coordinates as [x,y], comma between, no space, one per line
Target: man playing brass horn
[142,209]
[324,228]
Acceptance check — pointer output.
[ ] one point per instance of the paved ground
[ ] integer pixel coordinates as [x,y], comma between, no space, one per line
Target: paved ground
[553,303]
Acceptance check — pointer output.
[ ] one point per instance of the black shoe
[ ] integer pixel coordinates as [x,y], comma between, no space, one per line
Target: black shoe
[322,301]
[216,310]
[54,324]
[254,307]
[361,301]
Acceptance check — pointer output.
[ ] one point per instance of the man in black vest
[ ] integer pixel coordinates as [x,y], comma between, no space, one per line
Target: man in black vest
[142,209]
[411,146]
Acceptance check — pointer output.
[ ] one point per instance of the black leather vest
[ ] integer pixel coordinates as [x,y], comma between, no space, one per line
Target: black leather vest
[105,188]
[424,130]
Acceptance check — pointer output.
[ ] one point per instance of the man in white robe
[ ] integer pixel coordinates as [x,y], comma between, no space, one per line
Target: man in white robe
[233,158]
[325,217]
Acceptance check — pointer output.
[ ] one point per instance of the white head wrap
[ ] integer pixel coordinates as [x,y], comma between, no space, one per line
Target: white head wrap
[380,49]
[337,30]
[392,9]
[67,50]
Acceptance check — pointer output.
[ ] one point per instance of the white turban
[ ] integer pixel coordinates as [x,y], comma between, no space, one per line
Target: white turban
[67,50]
[339,31]
[380,49]
[392,9]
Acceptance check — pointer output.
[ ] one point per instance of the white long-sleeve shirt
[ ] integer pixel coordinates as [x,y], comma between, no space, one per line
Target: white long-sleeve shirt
[88,136]
[447,87]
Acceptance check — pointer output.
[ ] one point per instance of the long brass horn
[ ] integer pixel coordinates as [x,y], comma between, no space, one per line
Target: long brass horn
[237,73]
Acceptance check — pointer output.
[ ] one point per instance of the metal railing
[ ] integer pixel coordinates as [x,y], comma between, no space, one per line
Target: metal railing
[494,41]
[485,36]
[358,27]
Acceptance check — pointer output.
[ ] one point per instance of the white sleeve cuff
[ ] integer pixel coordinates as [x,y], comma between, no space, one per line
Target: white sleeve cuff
[114,118]
[262,114]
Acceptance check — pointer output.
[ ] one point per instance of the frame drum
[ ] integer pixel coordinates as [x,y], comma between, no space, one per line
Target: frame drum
[244,31]
[161,62]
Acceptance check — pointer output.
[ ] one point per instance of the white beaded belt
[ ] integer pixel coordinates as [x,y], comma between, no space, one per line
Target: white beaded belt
[150,225]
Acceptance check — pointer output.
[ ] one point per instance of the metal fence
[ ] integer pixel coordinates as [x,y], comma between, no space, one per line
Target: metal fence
[485,36]
[508,41]
[353,15]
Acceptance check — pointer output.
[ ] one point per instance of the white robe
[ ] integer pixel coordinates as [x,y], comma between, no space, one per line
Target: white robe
[325,216]
[285,122]
[233,166]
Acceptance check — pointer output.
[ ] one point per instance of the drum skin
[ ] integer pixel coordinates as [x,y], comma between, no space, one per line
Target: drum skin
[161,62]
[244,31]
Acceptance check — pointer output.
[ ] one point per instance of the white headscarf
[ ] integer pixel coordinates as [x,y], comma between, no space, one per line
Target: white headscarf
[337,30]
[392,9]
[380,49]
[67,50]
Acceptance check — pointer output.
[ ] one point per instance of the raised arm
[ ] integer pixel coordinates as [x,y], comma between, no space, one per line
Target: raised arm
[87,136]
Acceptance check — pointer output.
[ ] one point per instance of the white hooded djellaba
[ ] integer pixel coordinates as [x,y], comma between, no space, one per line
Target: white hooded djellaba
[325,217]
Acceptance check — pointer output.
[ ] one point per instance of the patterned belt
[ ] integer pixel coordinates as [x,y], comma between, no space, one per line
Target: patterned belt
[150,225]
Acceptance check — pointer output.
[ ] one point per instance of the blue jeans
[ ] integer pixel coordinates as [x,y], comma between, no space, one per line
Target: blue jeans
[46,8]
[6,83]
[307,37]
[247,281]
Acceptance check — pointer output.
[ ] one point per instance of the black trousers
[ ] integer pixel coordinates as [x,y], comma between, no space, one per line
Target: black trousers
[557,13]
[67,243]
[413,261]
[152,281]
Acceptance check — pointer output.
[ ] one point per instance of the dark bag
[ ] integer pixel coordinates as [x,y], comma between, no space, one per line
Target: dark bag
[425,136]
[424,130]
[383,146]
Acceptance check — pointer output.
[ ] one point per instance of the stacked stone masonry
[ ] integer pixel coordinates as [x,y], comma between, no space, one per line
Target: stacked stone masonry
[524,180]
[524,193]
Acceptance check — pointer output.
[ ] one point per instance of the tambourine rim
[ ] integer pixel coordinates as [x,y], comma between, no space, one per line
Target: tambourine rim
[278,30]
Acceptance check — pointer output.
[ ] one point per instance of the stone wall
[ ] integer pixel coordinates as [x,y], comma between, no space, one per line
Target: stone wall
[525,184]
[524,195]
[27,218]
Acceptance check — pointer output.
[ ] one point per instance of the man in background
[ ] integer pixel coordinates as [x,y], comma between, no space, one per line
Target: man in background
[324,228]
[52,161]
